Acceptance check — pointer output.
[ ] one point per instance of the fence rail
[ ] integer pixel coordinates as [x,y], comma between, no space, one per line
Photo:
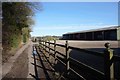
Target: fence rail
[107,55]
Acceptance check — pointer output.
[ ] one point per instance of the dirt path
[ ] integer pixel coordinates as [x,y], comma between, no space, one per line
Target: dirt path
[17,65]
[20,68]
[0,61]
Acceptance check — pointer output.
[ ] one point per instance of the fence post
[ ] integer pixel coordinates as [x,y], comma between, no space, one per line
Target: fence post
[40,43]
[67,58]
[49,53]
[46,54]
[44,44]
[109,69]
[55,52]
[49,50]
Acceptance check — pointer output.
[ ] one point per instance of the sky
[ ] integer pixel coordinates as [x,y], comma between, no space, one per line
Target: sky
[58,18]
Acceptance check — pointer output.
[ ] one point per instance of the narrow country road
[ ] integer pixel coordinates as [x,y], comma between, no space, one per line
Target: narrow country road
[24,65]
[18,66]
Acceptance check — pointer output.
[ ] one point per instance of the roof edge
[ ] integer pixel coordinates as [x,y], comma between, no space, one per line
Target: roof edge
[94,30]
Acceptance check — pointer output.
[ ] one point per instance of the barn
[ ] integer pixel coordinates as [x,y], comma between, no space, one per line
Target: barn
[108,33]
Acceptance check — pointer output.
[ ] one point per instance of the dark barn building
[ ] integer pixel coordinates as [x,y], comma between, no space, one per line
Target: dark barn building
[109,33]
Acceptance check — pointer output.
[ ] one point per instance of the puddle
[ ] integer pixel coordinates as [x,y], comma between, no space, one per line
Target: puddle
[34,52]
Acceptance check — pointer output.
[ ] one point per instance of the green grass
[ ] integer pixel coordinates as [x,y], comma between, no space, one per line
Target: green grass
[15,40]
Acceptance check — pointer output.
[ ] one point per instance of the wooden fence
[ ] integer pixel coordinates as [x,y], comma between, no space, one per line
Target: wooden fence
[107,55]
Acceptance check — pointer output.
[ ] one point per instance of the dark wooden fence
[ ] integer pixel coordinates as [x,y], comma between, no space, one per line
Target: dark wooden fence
[107,55]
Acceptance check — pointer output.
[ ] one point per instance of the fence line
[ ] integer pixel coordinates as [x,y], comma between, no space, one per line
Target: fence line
[108,56]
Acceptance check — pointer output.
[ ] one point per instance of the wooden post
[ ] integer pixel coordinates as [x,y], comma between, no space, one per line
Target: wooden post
[109,69]
[49,53]
[49,48]
[67,58]
[42,46]
[40,43]
[45,47]
[55,52]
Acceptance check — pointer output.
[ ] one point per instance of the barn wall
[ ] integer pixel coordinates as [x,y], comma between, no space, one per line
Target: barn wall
[113,34]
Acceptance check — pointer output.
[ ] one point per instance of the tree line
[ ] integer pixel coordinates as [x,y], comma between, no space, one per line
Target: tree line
[16,23]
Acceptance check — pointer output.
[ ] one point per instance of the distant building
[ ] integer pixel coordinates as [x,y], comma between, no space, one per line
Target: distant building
[109,33]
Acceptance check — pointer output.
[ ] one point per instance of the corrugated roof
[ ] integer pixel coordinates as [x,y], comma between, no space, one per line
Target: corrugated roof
[93,30]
